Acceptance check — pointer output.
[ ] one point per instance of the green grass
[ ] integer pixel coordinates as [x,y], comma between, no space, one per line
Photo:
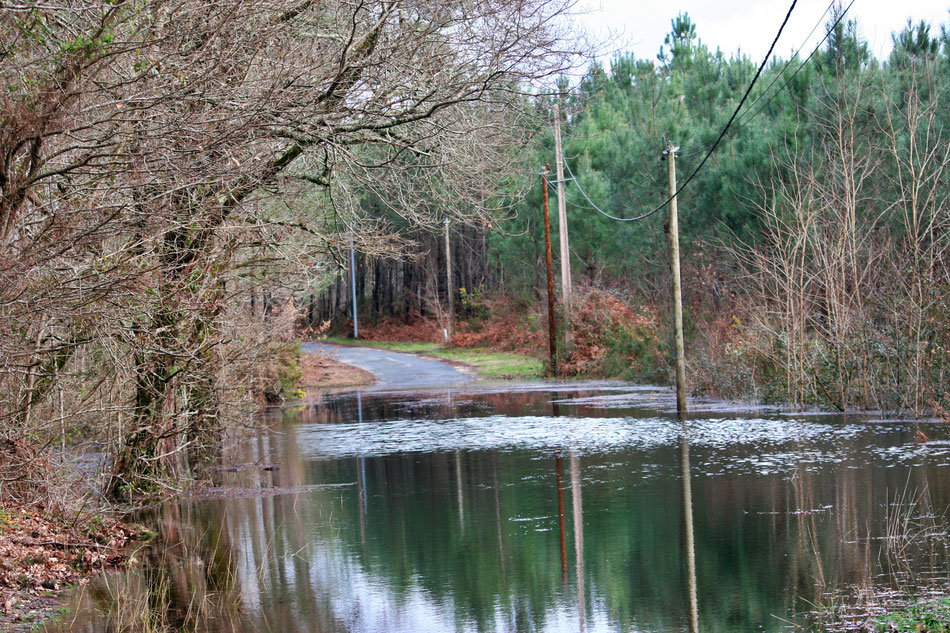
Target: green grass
[396,346]
[921,617]
[489,364]
[494,364]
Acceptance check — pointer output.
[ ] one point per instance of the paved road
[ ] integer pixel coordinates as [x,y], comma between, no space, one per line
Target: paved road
[393,370]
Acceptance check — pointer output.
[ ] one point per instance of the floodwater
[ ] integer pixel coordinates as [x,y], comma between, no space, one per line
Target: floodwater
[540,507]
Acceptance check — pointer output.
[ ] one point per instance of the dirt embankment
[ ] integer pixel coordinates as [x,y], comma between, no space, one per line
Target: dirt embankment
[322,372]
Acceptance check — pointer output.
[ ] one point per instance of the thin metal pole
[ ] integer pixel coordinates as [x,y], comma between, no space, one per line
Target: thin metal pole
[674,238]
[448,279]
[356,328]
[552,337]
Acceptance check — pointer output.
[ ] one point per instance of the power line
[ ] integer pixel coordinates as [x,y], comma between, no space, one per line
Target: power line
[693,152]
[592,204]
[712,149]
[748,114]
[722,134]
[800,66]
[602,82]
[744,117]
[583,207]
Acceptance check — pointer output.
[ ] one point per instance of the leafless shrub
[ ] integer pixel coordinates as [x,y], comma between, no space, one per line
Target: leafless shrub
[848,287]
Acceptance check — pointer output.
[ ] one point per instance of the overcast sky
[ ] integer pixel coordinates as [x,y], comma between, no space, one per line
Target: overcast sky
[750,25]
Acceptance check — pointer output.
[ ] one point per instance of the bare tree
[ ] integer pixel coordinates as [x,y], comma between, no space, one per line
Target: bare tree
[916,268]
[142,142]
[850,273]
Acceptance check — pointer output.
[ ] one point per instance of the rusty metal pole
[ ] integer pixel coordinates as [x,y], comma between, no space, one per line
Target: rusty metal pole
[552,330]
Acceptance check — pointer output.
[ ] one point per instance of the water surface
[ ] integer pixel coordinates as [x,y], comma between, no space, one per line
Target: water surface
[542,507]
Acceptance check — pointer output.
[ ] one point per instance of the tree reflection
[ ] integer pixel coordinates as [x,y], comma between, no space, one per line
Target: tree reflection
[186,582]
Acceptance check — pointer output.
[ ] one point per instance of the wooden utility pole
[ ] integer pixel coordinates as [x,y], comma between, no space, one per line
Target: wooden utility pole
[673,233]
[552,337]
[448,279]
[356,329]
[566,289]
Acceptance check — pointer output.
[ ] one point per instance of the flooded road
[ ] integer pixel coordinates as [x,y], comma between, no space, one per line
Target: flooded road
[540,507]
[393,370]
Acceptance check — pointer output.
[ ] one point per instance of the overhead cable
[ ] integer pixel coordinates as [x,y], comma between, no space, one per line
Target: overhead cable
[778,76]
[718,140]
[800,66]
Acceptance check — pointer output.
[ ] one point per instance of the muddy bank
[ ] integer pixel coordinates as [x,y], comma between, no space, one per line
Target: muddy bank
[42,557]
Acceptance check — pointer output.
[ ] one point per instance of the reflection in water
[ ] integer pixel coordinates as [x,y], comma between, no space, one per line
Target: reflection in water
[187,581]
[501,541]
[361,496]
[559,482]
[437,515]
[578,538]
[458,486]
[688,529]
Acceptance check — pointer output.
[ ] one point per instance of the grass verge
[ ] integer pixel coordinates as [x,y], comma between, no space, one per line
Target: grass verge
[492,364]
[411,347]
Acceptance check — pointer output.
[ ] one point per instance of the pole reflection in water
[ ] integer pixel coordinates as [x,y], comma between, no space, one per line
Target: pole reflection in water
[458,486]
[688,528]
[361,495]
[559,479]
[501,543]
[361,476]
[578,536]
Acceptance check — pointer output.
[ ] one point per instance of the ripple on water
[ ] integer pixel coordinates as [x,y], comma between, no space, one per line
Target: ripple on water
[724,446]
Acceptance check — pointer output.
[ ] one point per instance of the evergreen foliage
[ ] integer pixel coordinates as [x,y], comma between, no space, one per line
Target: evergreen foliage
[836,164]
[620,116]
